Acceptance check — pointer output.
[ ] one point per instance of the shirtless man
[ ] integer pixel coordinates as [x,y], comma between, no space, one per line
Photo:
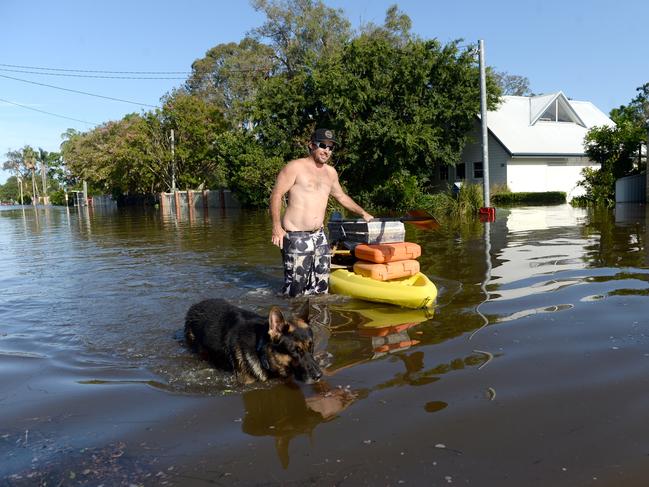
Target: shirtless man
[299,232]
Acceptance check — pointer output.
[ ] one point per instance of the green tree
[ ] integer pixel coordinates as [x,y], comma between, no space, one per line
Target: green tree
[400,109]
[400,105]
[229,75]
[196,123]
[249,169]
[113,157]
[396,27]
[10,190]
[637,111]
[512,84]
[16,161]
[22,163]
[617,149]
[134,155]
[301,32]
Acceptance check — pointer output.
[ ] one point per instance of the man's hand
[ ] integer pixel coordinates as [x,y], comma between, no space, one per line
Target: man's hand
[278,237]
[366,216]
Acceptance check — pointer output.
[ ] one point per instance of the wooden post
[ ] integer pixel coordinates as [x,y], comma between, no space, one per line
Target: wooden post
[647,161]
[206,195]
[190,203]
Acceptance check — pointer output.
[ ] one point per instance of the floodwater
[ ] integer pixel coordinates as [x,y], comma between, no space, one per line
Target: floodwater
[532,369]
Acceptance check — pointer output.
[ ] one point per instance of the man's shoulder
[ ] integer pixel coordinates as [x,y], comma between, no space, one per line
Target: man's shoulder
[299,161]
[296,163]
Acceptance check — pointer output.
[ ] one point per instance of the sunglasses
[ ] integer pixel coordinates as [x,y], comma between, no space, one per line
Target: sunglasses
[322,145]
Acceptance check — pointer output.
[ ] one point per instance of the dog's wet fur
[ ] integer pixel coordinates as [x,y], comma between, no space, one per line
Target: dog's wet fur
[255,348]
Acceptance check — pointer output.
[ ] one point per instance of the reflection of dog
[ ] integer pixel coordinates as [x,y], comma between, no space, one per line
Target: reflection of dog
[254,348]
[284,412]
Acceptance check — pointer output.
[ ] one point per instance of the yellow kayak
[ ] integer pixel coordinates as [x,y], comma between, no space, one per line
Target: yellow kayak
[409,292]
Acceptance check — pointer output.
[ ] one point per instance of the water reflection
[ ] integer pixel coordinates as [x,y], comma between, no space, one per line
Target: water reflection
[284,412]
[357,331]
[539,287]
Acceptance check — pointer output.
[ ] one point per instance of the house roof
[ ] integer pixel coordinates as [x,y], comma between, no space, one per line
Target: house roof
[520,124]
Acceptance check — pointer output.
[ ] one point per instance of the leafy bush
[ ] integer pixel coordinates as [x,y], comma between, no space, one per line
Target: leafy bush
[58,197]
[524,198]
[600,188]
[446,204]
[249,170]
[401,192]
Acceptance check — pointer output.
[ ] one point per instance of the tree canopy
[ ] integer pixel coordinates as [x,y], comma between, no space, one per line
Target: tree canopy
[33,169]
[512,84]
[401,106]
[618,149]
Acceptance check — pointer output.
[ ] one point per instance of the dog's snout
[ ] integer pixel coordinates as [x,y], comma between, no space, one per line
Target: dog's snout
[315,372]
[317,375]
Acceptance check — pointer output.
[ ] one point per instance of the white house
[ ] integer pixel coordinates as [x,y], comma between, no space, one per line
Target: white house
[535,144]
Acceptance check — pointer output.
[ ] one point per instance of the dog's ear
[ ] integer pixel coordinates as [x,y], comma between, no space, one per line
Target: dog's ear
[276,323]
[303,311]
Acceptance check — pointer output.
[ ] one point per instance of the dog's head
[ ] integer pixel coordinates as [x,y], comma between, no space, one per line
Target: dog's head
[291,348]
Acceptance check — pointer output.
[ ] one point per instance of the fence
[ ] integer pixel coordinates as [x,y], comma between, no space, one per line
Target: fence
[631,189]
[198,200]
[102,200]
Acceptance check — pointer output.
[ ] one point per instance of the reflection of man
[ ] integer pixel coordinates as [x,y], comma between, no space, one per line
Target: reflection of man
[284,412]
[299,232]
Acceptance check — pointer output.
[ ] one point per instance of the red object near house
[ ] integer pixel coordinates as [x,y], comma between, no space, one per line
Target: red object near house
[487,214]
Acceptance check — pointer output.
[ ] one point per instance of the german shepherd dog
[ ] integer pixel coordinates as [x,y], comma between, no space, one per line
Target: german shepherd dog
[251,346]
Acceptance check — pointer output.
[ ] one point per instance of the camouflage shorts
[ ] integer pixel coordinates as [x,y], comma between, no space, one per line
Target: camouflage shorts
[307,259]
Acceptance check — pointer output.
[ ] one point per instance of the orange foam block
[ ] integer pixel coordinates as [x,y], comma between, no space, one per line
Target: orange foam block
[381,253]
[387,271]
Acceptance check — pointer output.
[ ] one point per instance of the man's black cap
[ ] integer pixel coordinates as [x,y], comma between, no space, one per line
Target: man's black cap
[323,134]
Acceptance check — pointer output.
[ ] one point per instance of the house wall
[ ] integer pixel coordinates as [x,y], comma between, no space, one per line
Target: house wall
[547,174]
[498,158]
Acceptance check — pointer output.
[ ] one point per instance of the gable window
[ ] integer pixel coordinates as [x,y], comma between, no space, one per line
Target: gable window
[478,172]
[557,112]
[460,171]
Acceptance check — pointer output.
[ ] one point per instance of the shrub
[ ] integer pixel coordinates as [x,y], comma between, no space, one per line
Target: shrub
[600,188]
[58,197]
[542,198]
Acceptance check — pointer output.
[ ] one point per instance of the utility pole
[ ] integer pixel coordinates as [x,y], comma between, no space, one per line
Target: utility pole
[85,193]
[173,161]
[34,190]
[646,125]
[20,182]
[485,132]
[44,180]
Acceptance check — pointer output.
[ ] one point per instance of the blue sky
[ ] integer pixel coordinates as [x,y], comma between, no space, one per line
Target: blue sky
[591,50]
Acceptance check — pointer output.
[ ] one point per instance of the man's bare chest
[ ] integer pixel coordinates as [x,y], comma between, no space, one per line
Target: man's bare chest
[314,181]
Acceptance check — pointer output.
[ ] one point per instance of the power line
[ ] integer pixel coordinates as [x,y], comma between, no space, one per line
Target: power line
[86,75]
[79,92]
[93,71]
[186,73]
[48,113]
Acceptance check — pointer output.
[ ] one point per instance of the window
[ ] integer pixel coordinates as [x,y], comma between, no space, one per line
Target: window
[478,172]
[557,112]
[550,115]
[443,173]
[460,171]
[563,115]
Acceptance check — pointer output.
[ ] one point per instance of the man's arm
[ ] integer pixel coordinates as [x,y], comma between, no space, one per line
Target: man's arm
[344,199]
[285,181]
